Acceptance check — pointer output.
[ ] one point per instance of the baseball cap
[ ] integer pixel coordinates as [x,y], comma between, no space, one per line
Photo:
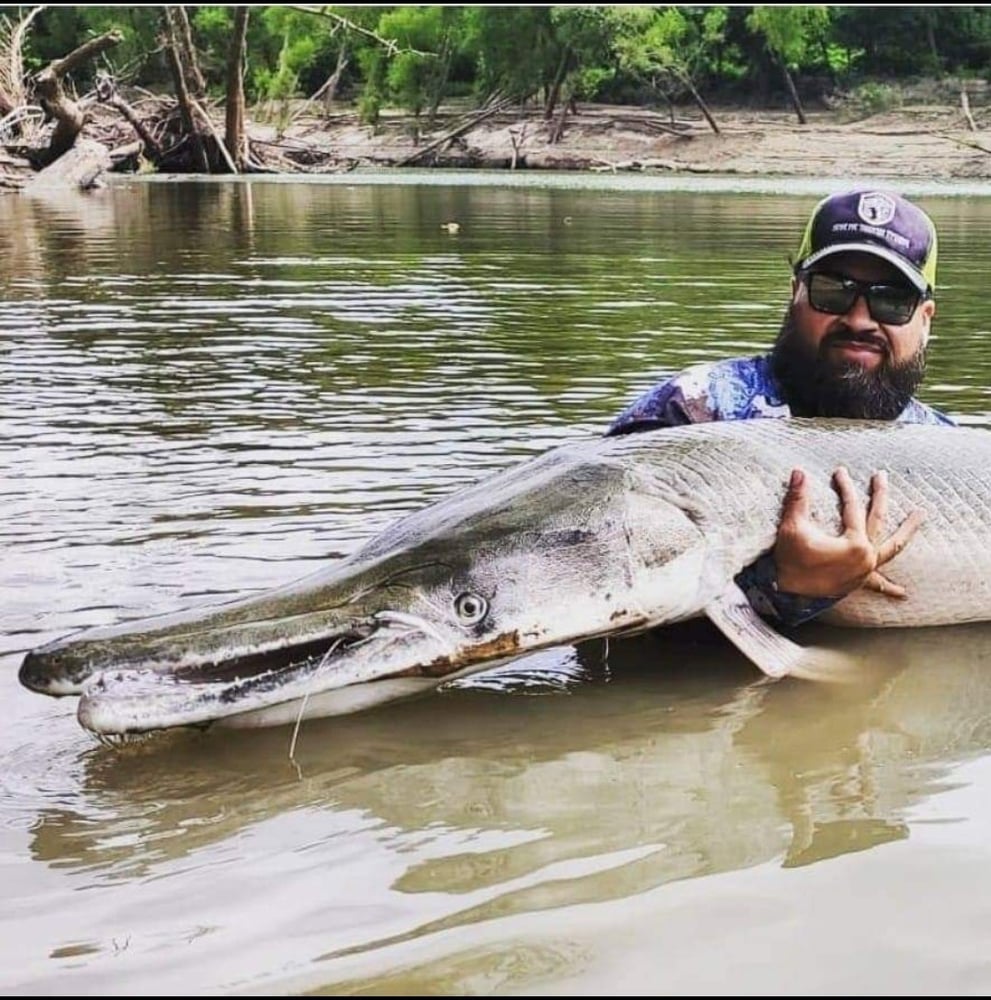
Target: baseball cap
[881,223]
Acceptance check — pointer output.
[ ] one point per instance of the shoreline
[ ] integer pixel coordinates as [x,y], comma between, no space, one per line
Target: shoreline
[929,142]
[728,183]
[908,148]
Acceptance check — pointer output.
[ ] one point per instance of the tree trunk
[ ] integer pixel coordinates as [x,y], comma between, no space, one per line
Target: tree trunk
[793,93]
[184,35]
[555,92]
[965,105]
[439,82]
[697,97]
[558,130]
[235,139]
[329,89]
[69,119]
[186,109]
[931,39]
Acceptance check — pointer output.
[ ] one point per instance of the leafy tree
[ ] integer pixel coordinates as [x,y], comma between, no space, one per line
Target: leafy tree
[790,34]
[417,74]
[912,41]
[668,47]
[585,36]
[514,49]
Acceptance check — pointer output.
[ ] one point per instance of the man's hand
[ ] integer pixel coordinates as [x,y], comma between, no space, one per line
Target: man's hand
[814,563]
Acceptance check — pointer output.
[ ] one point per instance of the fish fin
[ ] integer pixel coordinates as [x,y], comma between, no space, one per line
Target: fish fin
[775,655]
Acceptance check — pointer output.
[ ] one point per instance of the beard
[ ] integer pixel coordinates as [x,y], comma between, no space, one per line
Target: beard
[814,385]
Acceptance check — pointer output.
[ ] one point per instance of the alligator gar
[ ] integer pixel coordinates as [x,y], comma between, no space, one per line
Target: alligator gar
[596,537]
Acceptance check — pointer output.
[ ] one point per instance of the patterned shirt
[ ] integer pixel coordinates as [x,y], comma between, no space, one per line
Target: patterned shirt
[740,389]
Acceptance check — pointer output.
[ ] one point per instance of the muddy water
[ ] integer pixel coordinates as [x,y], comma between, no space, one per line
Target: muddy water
[208,389]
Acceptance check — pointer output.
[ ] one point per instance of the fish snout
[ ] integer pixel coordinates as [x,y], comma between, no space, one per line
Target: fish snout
[54,670]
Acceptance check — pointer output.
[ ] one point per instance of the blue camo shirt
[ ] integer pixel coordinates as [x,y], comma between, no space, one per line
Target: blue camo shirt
[740,389]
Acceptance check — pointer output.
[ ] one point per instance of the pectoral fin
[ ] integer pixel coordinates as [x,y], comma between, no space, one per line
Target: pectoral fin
[776,656]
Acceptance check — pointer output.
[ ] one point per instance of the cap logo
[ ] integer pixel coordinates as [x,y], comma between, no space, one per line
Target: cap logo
[876,209]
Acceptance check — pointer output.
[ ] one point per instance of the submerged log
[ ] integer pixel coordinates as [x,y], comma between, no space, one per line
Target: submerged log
[80,168]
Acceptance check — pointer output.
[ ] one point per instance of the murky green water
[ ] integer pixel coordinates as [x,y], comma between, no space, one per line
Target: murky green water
[207,389]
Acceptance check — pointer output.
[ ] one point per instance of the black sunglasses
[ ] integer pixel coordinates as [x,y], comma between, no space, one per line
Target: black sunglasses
[887,303]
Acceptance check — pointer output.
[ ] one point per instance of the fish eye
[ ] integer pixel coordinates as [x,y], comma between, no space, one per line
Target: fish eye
[470,608]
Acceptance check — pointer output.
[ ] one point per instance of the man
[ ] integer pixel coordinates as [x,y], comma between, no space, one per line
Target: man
[852,344]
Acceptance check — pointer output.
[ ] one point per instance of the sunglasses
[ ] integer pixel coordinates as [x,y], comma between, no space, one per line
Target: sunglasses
[887,303]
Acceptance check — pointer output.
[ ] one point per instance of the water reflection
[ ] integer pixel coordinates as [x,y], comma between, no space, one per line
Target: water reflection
[516,803]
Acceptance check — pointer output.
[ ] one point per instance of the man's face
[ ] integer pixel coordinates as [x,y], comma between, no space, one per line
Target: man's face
[855,337]
[850,364]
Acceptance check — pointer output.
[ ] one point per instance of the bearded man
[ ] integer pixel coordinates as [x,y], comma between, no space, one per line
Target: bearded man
[852,344]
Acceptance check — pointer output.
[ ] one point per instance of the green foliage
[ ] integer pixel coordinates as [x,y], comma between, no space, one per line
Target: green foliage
[795,35]
[873,98]
[914,41]
[59,30]
[669,45]
[525,51]
[415,72]
[512,48]
[370,107]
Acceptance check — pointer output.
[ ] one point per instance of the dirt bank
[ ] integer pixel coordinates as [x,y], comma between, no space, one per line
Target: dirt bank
[919,142]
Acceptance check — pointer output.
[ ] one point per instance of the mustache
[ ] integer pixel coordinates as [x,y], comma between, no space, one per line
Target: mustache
[844,334]
[815,385]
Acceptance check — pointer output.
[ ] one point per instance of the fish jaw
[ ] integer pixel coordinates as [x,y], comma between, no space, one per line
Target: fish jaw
[117,702]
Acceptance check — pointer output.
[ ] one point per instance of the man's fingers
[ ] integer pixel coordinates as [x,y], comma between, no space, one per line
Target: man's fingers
[879,582]
[877,512]
[899,538]
[797,504]
[851,509]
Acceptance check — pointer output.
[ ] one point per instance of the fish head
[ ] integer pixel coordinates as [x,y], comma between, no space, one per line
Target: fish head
[486,576]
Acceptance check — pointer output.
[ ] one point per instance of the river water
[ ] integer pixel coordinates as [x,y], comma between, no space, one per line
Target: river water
[212,388]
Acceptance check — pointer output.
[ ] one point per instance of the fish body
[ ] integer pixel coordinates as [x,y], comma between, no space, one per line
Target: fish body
[600,536]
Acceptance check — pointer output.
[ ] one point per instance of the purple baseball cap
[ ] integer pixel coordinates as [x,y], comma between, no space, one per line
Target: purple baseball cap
[880,223]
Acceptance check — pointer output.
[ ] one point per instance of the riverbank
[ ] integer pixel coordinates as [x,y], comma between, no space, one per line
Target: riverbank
[925,141]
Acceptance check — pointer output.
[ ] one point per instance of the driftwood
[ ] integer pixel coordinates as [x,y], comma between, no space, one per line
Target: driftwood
[652,163]
[69,117]
[465,125]
[106,92]
[12,35]
[81,168]
[15,171]
[965,105]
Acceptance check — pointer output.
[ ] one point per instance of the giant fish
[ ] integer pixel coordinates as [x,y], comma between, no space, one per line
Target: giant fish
[597,537]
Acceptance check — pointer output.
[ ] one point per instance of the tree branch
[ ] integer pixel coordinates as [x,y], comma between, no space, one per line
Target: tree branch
[389,44]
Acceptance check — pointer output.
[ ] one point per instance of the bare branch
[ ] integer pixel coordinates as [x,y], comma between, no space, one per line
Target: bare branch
[389,44]
[68,114]
[12,58]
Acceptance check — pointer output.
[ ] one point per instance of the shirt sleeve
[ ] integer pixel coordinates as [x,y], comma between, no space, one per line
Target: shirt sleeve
[759,581]
[681,400]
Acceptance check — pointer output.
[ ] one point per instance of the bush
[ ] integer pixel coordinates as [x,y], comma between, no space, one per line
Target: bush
[873,98]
